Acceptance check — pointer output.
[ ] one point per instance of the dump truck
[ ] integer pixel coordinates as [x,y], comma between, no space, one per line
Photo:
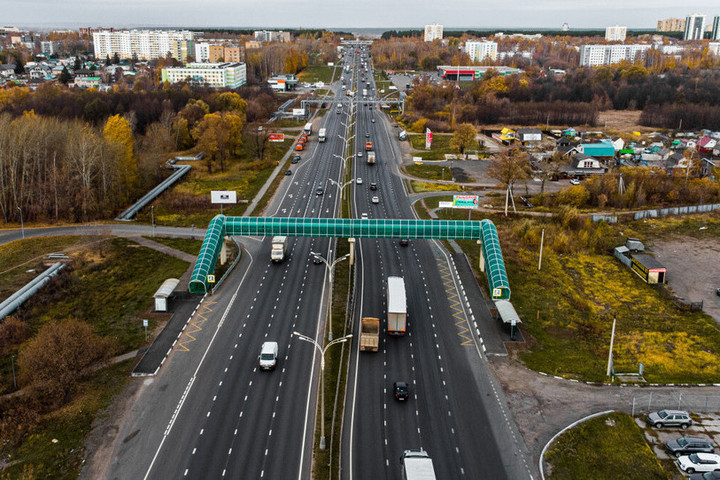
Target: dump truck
[417,465]
[397,306]
[279,248]
[371,158]
[370,334]
[368,146]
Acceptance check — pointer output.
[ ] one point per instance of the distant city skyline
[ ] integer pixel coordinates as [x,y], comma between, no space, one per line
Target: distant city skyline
[331,14]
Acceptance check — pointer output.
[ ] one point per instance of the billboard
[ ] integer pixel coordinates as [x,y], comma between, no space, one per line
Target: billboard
[465,201]
[298,112]
[276,137]
[223,196]
[428,139]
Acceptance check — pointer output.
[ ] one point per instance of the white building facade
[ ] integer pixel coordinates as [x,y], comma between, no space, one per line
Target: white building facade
[480,50]
[433,32]
[694,27]
[143,44]
[594,55]
[202,52]
[216,75]
[615,34]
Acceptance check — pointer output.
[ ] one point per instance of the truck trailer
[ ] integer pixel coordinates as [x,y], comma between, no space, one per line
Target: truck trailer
[397,306]
[371,158]
[370,334]
[321,135]
[417,465]
[279,248]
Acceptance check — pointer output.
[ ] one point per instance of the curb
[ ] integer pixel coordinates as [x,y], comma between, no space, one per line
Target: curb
[634,385]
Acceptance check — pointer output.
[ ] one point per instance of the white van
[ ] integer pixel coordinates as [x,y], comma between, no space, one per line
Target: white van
[268,355]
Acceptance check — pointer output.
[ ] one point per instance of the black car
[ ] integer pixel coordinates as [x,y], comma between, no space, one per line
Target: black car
[319,191]
[288,172]
[295,159]
[404,242]
[401,391]
[687,445]
[373,186]
[367,135]
[705,476]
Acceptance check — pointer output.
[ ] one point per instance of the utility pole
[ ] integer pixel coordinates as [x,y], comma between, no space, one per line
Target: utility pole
[610,355]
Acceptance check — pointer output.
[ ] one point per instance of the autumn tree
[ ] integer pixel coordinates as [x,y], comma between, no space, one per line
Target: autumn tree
[219,135]
[510,166]
[118,133]
[230,102]
[463,137]
[53,360]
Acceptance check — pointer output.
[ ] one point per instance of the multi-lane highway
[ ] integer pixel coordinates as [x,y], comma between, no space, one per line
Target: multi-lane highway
[210,413]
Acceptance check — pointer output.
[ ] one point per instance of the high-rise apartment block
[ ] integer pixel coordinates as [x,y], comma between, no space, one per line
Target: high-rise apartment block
[694,27]
[272,36]
[433,32]
[714,48]
[480,50]
[143,44]
[715,33]
[217,75]
[47,47]
[671,25]
[615,34]
[594,55]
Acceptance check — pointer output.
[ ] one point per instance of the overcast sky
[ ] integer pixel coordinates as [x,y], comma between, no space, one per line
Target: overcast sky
[349,14]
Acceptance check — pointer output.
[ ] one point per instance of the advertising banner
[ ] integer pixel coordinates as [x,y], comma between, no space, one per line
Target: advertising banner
[223,196]
[428,139]
[276,137]
[465,201]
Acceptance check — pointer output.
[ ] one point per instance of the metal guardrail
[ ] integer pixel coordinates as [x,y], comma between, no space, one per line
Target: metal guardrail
[180,171]
[19,297]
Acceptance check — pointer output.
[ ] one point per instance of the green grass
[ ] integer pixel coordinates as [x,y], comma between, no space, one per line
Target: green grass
[70,425]
[432,172]
[108,289]
[433,202]
[187,245]
[610,446]
[440,143]
[289,123]
[420,187]
[17,257]
[317,73]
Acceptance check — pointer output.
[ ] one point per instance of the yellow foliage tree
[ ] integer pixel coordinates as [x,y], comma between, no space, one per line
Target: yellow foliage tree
[117,132]
[219,135]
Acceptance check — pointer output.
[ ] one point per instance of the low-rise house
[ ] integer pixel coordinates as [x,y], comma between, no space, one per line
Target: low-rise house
[7,70]
[706,144]
[618,143]
[655,155]
[603,149]
[526,135]
[39,72]
[707,166]
[586,165]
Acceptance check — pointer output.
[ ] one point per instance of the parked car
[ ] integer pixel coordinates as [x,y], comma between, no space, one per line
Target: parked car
[699,462]
[669,418]
[400,390]
[687,445]
[706,476]
[574,181]
[295,158]
[288,172]
[717,292]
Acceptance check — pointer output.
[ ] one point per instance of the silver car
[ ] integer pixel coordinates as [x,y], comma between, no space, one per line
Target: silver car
[670,418]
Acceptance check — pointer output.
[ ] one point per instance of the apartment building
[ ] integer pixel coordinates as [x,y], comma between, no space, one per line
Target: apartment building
[715,32]
[671,25]
[217,52]
[694,27]
[216,75]
[47,47]
[143,44]
[266,36]
[615,34]
[714,48]
[594,55]
[433,32]
[480,50]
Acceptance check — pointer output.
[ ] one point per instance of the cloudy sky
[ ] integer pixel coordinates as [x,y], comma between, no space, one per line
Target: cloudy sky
[348,14]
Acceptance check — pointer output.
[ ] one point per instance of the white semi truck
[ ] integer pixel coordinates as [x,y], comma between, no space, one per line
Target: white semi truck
[279,248]
[321,134]
[371,158]
[397,306]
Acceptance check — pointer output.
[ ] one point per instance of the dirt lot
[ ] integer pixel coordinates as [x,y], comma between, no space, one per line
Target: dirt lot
[622,120]
[693,270]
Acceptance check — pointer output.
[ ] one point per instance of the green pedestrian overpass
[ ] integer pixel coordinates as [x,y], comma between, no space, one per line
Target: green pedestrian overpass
[222,226]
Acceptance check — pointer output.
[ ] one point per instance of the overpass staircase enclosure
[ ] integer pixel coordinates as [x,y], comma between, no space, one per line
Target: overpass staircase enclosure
[484,231]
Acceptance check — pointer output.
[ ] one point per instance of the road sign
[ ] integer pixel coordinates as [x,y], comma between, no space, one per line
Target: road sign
[223,196]
[417,160]
[211,278]
[465,201]
[497,292]
[276,137]
[145,322]
[445,204]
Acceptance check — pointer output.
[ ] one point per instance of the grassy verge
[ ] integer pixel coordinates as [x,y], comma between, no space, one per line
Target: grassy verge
[54,448]
[316,73]
[420,187]
[610,446]
[187,245]
[432,172]
[568,307]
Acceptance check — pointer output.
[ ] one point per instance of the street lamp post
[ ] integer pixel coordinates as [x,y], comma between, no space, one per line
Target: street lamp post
[331,271]
[322,377]
[22,225]
[341,187]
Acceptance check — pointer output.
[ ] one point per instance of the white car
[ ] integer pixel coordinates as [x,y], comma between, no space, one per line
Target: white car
[364,216]
[359,154]
[574,181]
[359,181]
[375,200]
[699,462]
